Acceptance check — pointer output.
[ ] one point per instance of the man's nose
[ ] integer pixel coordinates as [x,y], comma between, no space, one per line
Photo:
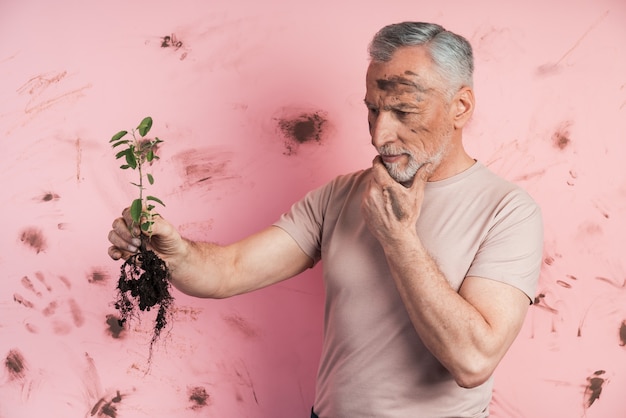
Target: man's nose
[383,129]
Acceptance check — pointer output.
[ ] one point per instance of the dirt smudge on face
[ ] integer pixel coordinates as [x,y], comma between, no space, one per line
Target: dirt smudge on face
[198,397]
[15,365]
[33,237]
[304,127]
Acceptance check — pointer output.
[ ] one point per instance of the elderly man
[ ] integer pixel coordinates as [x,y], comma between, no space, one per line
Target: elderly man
[430,259]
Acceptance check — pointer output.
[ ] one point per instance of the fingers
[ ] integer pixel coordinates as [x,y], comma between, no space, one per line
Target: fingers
[422,175]
[123,240]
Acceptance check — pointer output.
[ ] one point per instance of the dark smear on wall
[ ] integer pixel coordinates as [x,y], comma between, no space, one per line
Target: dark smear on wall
[198,397]
[594,387]
[39,275]
[247,381]
[564,284]
[79,159]
[97,276]
[34,238]
[50,309]
[612,282]
[77,313]
[104,408]
[114,328]
[20,299]
[66,281]
[540,302]
[552,68]
[38,86]
[15,365]
[28,284]
[622,333]
[203,167]
[49,196]
[239,324]
[304,128]
[171,41]
[561,137]
[528,176]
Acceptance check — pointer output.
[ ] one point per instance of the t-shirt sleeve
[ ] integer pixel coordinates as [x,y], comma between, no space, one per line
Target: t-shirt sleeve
[512,251]
[305,220]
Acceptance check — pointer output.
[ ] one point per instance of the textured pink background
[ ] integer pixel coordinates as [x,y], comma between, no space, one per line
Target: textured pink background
[551,90]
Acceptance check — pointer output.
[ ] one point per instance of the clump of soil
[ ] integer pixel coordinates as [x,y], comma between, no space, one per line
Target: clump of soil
[143,285]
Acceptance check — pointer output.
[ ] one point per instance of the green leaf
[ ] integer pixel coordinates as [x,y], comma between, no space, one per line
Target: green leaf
[150,178]
[125,167]
[144,126]
[122,153]
[150,155]
[131,160]
[125,141]
[146,226]
[118,136]
[154,199]
[135,210]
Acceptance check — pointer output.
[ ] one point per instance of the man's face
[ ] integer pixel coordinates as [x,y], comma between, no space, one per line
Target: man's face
[408,114]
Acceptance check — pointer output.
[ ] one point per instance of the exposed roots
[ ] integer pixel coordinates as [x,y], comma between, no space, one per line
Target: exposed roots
[143,286]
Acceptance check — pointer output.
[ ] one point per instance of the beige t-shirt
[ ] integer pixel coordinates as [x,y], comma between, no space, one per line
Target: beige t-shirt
[373,363]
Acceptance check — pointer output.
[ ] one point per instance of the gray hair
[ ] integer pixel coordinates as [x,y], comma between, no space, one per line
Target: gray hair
[451,53]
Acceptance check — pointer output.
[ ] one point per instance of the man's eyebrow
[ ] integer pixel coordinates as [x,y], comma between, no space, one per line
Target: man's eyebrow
[397,106]
[395,82]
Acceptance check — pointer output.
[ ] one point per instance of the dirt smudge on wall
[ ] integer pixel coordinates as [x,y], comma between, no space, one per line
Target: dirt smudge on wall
[98,276]
[594,387]
[301,127]
[49,196]
[198,397]
[622,333]
[15,365]
[561,136]
[241,325]
[33,237]
[203,168]
[114,329]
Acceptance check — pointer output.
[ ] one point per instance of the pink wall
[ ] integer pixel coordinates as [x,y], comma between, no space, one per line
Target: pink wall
[551,93]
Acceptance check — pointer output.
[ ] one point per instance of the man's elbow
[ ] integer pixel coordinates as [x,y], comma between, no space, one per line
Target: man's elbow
[474,374]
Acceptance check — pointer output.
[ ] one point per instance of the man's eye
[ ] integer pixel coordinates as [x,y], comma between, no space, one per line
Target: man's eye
[401,113]
[373,110]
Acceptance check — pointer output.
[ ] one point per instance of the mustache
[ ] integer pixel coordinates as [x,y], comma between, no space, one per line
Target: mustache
[387,150]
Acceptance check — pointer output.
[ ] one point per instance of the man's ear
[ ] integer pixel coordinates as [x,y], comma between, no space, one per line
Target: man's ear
[462,106]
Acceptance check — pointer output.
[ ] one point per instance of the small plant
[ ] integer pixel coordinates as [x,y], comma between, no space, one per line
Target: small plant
[143,282]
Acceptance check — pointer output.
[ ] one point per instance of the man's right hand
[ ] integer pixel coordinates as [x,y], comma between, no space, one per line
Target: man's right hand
[126,238]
